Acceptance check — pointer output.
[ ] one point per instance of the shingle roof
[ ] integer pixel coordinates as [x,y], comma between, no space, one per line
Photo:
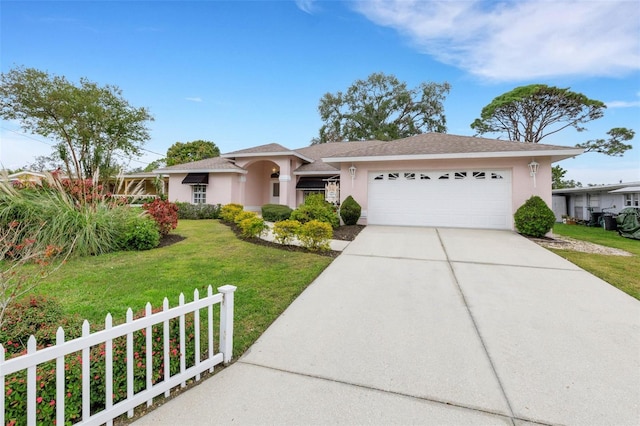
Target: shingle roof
[208,164]
[317,152]
[440,143]
[323,157]
[262,149]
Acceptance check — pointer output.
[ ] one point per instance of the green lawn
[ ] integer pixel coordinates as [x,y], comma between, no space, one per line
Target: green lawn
[620,271]
[268,279]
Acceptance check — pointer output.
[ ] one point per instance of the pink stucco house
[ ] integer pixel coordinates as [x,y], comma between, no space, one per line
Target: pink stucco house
[432,179]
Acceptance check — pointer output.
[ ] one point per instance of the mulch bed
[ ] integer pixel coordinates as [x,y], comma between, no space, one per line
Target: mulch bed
[170,239]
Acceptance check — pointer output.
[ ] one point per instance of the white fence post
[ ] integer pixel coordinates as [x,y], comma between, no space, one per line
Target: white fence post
[129,319]
[183,341]
[196,331]
[86,372]
[60,384]
[226,322]
[148,343]
[108,367]
[31,385]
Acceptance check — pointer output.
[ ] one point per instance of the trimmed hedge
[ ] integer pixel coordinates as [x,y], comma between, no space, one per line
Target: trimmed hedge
[534,218]
[315,235]
[350,211]
[285,231]
[228,212]
[198,211]
[276,212]
[251,226]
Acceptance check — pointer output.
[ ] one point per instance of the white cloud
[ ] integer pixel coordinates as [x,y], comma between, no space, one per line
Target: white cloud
[193,99]
[508,41]
[623,104]
[307,6]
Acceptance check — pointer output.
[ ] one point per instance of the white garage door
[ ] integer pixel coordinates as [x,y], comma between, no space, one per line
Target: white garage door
[453,198]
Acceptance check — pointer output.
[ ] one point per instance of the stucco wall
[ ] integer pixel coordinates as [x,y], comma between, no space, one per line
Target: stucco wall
[222,188]
[522,183]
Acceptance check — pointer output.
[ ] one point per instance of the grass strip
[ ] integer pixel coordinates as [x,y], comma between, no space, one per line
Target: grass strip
[620,271]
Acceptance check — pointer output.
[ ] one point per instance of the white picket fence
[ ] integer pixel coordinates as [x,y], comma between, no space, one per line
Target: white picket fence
[83,344]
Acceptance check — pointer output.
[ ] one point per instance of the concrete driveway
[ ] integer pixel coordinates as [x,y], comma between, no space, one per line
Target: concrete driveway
[436,326]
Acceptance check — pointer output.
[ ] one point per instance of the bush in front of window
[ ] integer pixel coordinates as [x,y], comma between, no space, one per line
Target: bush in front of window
[251,226]
[276,212]
[350,211]
[534,218]
[315,235]
[198,211]
[285,231]
[315,207]
[140,233]
[228,212]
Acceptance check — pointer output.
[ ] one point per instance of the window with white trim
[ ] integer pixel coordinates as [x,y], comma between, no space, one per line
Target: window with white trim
[198,194]
[632,200]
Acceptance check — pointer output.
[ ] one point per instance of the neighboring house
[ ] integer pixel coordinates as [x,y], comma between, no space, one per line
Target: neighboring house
[26,176]
[580,202]
[141,184]
[432,179]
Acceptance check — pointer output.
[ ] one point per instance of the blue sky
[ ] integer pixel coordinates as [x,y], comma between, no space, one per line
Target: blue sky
[246,73]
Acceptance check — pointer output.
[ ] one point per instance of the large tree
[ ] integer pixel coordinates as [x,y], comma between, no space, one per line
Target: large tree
[559,182]
[382,108]
[92,125]
[180,153]
[531,113]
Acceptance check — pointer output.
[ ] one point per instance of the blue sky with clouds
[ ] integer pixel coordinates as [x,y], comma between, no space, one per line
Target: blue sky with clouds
[246,73]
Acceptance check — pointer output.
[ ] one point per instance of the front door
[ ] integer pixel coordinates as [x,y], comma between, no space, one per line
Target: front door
[275,191]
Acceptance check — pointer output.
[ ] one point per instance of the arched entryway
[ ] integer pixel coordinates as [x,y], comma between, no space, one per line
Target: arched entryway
[262,184]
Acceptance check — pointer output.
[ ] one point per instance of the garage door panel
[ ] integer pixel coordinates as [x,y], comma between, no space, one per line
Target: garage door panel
[457,198]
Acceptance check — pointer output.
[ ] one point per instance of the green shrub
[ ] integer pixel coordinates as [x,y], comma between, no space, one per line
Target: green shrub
[534,218]
[276,212]
[198,211]
[141,233]
[244,214]
[315,207]
[252,226]
[228,212]
[286,230]
[350,211]
[315,235]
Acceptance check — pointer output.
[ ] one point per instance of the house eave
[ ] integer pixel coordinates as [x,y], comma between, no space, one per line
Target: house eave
[174,171]
[268,154]
[315,173]
[556,155]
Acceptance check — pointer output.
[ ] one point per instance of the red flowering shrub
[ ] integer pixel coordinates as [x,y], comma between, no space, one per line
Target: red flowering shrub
[165,213]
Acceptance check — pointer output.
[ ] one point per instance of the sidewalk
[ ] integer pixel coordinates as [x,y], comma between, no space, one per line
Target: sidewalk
[435,326]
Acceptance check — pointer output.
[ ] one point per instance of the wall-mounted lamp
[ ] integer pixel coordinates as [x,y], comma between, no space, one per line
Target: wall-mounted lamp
[352,172]
[533,170]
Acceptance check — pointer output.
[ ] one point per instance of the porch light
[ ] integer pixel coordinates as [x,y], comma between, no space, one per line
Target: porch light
[352,172]
[533,170]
